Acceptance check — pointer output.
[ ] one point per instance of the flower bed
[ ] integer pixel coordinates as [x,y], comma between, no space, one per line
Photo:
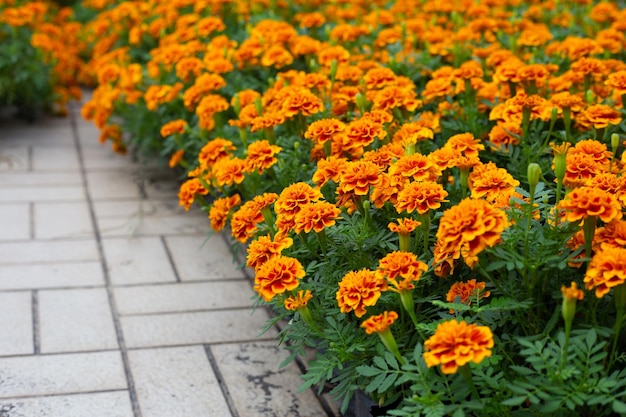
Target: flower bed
[431,192]
[39,57]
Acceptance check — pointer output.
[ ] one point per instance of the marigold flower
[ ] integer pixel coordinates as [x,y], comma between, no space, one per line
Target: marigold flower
[379,323]
[606,270]
[583,202]
[362,132]
[188,191]
[401,269]
[358,290]
[358,176]
[617,81]
[467,292]
[415,166]
[612,234]
[214,150]
[265,248]
[278,275]
[328,169]
[323,130]
[301,101]
[176,158]
[220,210]
[290,202]
[455,344]
[466,230]
[505,134]
[465,144]
[175,126]
[598,116]
[261,156]
[490,182]
[404,226]
[229,171]
[315,216]
[420,196]
[298,301]
[572,292]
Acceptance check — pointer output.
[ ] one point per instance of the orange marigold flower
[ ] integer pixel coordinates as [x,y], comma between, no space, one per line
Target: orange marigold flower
[301,299]
[316,216]
[323,130]
[220,210]
[415,166]
[413,132]
[261,156]
[278,275]
[176,158]
[379,323]
[466,230]
[265,248]
[490,182]
[583,202]
[328,169]
[214,150]
[617,81]
[606,270]
[421,196]
[404,226]
[358,176]
[438,88]
[358,290]
[188,191]
[597,150]
[466,144]
[572,292]
[598,116]
[401,269]
[362,132]
[467,292]
[301,101]
[175,126]
[290,202]
[243,224]
[456,344]
[229,171]
[505,134]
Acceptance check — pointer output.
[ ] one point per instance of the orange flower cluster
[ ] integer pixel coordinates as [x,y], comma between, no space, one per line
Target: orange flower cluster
[606,270]
[359,290]
[379,323]
[278,275]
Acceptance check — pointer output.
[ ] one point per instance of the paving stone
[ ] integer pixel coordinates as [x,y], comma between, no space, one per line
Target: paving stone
[142,208]
[43,193]
[62,220]
[48,251]
[55,275]
[182,297]
[176,382]
[138,260]
[14,221]
[101,404]
[13,158]
[29,376]
[16,322]
[56,158]
[76,320]
[257,384]
[153,226]
[109,185]
[99,158]
[41,133]
[202,258]
[30,179]
[194,328]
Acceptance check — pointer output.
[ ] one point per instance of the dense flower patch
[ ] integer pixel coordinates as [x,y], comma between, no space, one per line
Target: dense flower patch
[446,175]
[40,56]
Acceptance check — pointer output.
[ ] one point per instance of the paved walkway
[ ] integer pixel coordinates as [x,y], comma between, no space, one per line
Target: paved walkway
[114,302]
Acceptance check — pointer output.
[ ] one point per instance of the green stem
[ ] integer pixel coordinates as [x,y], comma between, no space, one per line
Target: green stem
[466,373]
[426,230]
[589,227]
[619,294]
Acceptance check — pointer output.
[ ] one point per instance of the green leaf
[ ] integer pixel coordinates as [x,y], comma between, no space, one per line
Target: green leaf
[514,401]
[367,370]
[380,362]
[387,383]
[619,407]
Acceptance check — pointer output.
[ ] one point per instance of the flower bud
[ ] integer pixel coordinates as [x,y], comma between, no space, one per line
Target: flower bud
[570,296]
[534,173]
[614,142]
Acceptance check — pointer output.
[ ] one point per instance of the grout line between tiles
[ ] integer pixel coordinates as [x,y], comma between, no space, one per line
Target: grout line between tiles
[35,313]
[31,223]
[221,381]
[170,258]
[30,167]
[60,394]
[109,286]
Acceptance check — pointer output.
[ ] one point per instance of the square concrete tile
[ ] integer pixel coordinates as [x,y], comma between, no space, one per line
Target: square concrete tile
[176,382]
[112,185]
[257,384]
[55,158]
[30,376]
[202,258]
[34,179]
[153,226]
[62,220]
[137,261]
[16,322]
[51,275]
[101,404]
[139,208]
[48,251]
[102,159]
[14,158]
[40,133]
[76,320]
[15,221]
[15,193]
[191,296]
[194,328]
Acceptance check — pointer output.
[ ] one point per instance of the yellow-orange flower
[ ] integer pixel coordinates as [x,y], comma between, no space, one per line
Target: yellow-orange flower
[358,290]
[466,230]
[229,171]
[417,167]
[277,275]
[220,210]
[492,183]
[261,156]
[455,344]
[401,269]
[323,130]
[379,323]
[297,301]
[176,158]
[328,169]
[421,197]
[404,226]
[175,126]
[265,248]
[467,292]
[583,202]
[214,150]
[572,292]
[598,116]
[290,202]
[606,270]
[358,176]
[316,216]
